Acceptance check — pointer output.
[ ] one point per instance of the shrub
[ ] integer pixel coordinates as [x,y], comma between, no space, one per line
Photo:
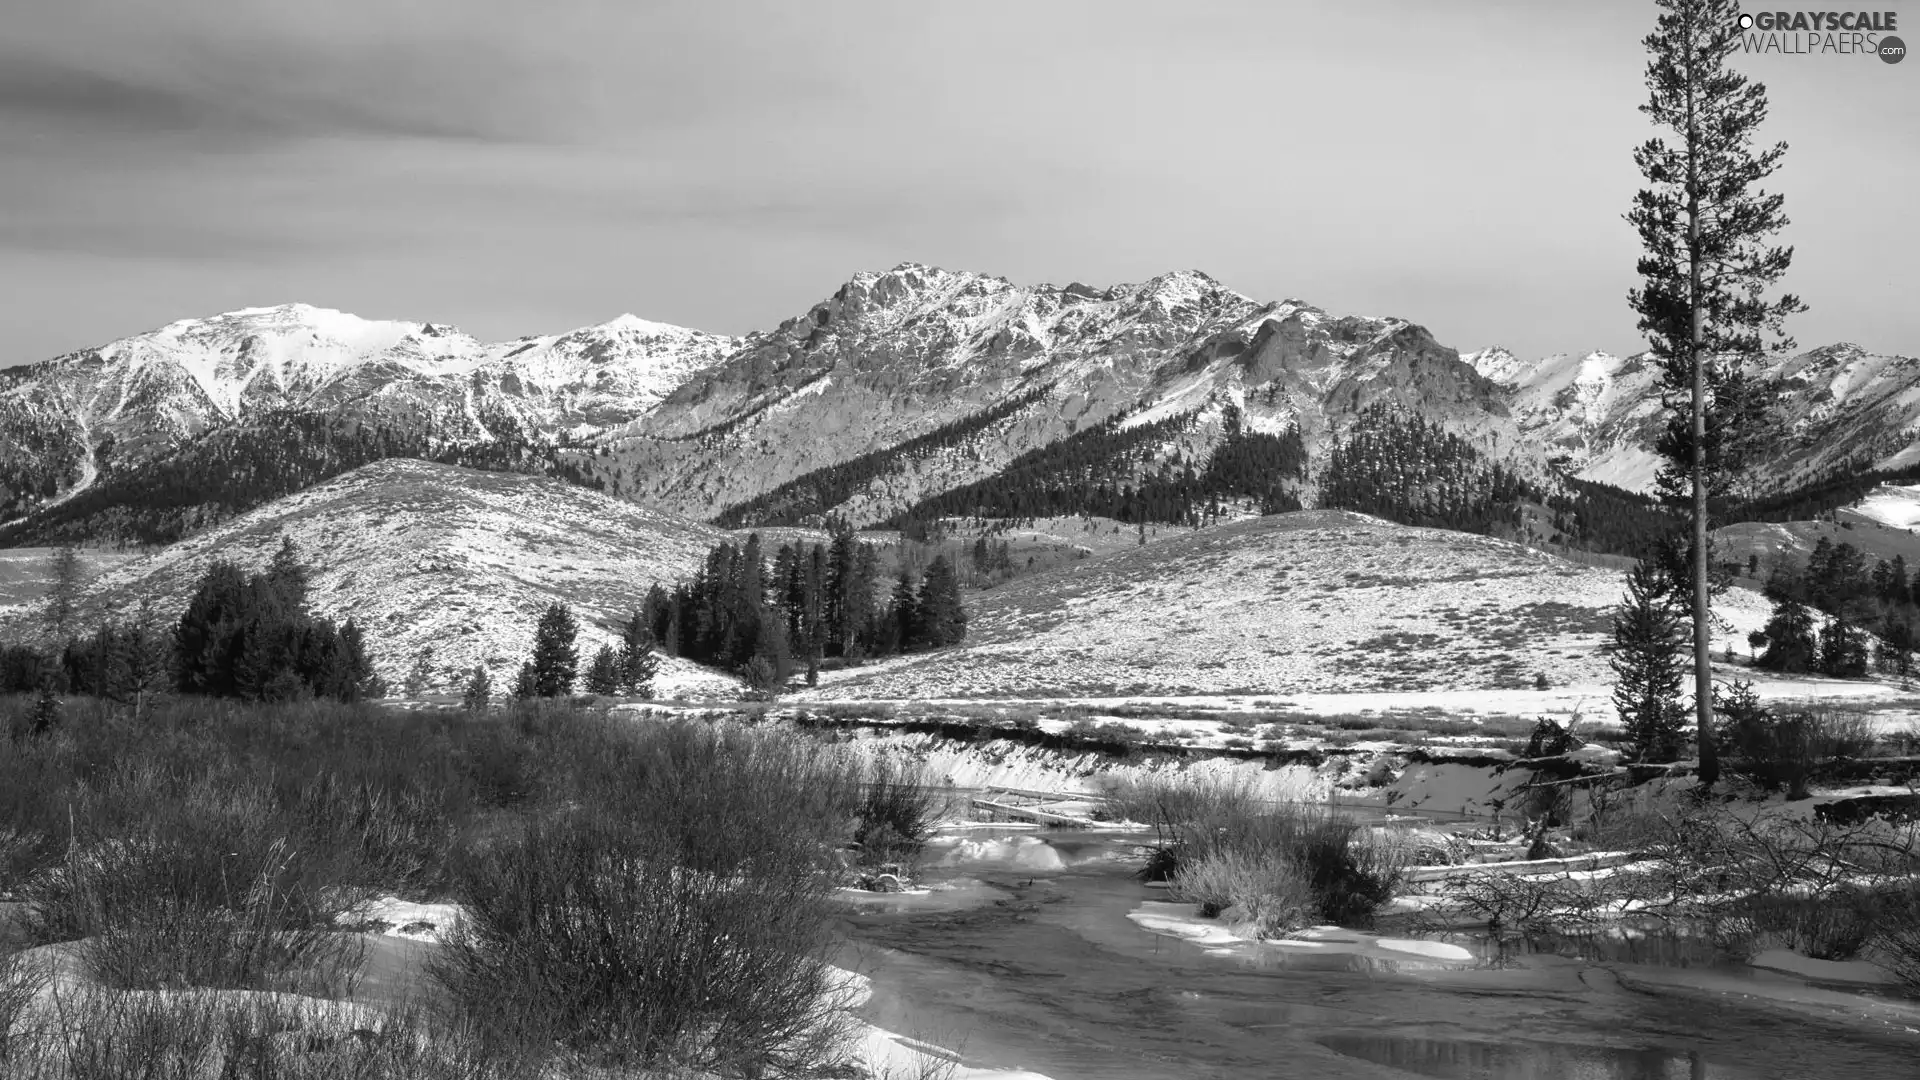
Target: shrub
[210,894]
[21,980]
[112,1035]
[1108,732]
[1350,872]
[1782,749]
[896,813]
[1268,896]
[615,944]
[1898,942]
[1216,838]
[1835,926]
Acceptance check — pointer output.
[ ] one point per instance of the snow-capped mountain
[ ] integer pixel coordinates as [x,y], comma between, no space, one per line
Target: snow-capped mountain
[1839,406]
[1004,369]
[903,385]
[122,406]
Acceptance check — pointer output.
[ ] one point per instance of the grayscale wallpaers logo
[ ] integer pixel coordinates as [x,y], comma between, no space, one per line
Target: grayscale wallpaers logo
[1850,33]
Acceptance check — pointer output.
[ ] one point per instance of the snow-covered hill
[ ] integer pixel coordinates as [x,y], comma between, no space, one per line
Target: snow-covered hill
[1311,602]
[443,567]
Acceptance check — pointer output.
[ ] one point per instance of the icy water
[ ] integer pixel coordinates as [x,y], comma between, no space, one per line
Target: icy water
[1030,961]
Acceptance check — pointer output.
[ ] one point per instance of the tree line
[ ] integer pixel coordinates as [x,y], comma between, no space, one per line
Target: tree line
[1405,468]
[812,602]
[247,636]
[1119,471]
[760,619]
[230,470]
[1869,614]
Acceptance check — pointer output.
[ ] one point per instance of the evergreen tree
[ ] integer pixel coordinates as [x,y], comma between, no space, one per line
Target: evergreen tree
[603,674]
[206,639]
[555,660]
[1790,640]
[288,575]
[362,681]
[903,610]
[479,690]
[940,605]
[1647,656]
[863,598]
[63,589]
[1898,592]
[812,642]
[1704,268]
[144,654]
[638,664]
[843,612]
[1843,649]
[526,684]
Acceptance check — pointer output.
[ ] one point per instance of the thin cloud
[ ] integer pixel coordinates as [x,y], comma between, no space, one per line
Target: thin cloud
[252,73]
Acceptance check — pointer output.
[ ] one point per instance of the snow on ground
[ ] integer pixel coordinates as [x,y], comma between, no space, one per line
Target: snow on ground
[1891,505]
[406,918]
[890,1056]
[1826,971]
[1317,602]
[1179,920]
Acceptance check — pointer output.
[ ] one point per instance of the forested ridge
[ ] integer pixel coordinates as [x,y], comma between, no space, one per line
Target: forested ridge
[813,495]
[1118,471]
[228,471]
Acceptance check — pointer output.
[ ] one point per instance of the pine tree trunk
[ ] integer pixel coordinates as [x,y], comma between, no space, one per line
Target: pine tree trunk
[1702,660]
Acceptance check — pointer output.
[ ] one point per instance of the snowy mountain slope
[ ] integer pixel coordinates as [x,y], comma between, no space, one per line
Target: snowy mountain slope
[118,408]
[1840,407]
[1893,505]
[900,386]
[896,356]
[442,567]
[1316,601]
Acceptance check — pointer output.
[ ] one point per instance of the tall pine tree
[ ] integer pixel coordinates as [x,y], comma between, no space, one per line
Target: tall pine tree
[1704,269]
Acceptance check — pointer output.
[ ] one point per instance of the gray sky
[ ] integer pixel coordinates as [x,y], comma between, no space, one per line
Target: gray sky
[518,168]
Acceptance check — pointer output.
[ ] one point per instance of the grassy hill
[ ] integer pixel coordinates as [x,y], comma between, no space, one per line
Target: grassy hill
[1309,602]
[27,572]
[443,567]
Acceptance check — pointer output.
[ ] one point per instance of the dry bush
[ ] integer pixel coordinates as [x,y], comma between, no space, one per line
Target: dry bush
[1221,843]
[22,977]
[897,810]
[209,894]
[683,923]
[1269,896]
[1783,749]
[116,1035]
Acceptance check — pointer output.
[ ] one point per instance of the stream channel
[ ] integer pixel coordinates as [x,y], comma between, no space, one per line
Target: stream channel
[1020,954]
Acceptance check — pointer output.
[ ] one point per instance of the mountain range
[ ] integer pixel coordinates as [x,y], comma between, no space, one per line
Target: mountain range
[902,387]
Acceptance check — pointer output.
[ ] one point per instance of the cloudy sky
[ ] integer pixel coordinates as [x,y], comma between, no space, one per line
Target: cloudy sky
[519,168]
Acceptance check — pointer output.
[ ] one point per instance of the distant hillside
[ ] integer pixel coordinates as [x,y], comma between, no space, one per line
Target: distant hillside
[442,567]
[1316,601]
